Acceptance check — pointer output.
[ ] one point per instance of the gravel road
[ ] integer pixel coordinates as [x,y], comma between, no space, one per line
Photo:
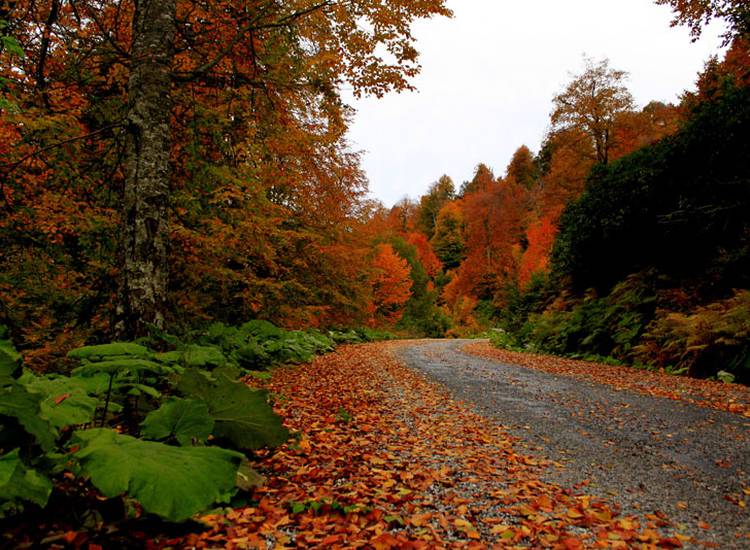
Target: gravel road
[644,453]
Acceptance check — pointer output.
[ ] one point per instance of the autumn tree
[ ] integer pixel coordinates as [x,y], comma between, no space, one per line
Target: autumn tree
[733,70]
[326,25]
[540,237]
[425,253]
[224,120]
[696,14]
[143,291]
[448,241]
[430,204]
[391,284]
[403,215]
[483,179]
[568,157]
[493,227]
[637,129]
[591,103]
[522,169]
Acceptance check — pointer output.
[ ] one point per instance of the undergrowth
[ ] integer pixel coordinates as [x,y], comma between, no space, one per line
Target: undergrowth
[164,426]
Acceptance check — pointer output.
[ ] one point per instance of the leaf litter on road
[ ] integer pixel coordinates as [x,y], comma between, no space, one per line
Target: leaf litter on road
[384,458]
[733,398]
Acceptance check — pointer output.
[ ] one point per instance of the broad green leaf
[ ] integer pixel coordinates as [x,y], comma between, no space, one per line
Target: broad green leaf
[203,356]
[139,389]
[262,330]
[229,370]
[242,415]
[172,482]
[17,482]
[10,361]
[109,351]
[251,355]
[169,357]
[117,366]
[18,403]
[65,401]
[184,419]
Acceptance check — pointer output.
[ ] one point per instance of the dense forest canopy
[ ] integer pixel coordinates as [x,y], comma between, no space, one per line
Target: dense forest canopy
[214,181]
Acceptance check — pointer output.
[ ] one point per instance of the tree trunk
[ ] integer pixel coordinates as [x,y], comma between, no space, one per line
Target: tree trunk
[145,234]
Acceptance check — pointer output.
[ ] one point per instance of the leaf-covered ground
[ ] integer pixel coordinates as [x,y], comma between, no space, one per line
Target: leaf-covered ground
[733,398]
[387,459]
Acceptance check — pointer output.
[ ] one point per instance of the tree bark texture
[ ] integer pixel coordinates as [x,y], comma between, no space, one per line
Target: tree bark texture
[145,235]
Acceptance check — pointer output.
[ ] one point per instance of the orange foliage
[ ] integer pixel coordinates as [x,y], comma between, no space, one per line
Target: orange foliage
[637,129]
[540,237]
[462,313]
[572,159]
[425,253]
[267,199]
[391,285]
[493,225]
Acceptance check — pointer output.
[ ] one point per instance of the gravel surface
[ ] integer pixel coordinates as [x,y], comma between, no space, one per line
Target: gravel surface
[643,453]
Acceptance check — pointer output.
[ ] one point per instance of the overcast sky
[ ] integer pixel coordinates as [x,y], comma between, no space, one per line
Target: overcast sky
[489,75]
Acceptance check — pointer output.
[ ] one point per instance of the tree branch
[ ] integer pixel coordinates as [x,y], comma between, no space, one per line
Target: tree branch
[252,26]
[11,166]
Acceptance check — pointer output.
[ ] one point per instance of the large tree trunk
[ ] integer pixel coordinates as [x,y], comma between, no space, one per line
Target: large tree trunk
[143,284]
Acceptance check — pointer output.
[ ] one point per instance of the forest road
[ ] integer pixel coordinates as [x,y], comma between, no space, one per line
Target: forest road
[643,453]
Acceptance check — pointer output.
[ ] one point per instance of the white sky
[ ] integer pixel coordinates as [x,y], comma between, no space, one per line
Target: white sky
[489,75]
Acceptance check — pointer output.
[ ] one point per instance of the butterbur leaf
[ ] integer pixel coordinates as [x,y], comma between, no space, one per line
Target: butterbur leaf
[184,419]
[242,415]
[203,356]
[17,482]
[108,351]
[139,389]
[16,402]
[117,366]
[10,361]
[174,483]
[64,401]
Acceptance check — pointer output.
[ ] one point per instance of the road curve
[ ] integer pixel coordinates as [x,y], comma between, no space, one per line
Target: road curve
[646,454]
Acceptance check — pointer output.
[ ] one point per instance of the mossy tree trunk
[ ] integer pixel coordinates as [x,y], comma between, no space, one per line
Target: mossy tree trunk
[144,275]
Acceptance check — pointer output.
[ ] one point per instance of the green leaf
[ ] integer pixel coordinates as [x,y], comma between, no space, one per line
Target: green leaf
[65,401]
[726,377]
[16,402]
[109,351]
[169,357]
[11,46]
[242,415]
[172,482]
[203,356]
[121,366]
[138,389]
[10,361]
[17,482]
[184,419]
[6,105]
